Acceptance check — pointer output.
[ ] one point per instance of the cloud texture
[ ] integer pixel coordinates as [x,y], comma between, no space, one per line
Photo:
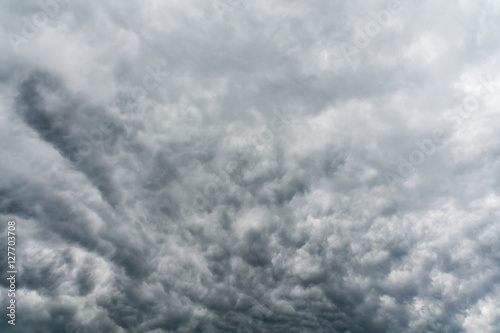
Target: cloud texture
[252,166]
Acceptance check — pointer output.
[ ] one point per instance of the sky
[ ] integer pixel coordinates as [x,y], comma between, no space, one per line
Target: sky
[251,166]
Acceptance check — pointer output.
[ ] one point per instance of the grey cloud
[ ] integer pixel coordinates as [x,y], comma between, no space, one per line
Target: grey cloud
[222,167]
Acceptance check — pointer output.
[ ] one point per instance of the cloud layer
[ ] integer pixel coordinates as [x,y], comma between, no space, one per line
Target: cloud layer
[237,166]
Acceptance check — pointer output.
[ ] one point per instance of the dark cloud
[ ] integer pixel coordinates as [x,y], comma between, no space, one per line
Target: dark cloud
[239,166]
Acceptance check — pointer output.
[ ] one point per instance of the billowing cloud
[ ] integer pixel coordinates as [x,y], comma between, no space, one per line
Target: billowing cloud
[237,166]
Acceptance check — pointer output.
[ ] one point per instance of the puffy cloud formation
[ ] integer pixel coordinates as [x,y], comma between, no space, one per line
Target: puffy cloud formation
[251,166]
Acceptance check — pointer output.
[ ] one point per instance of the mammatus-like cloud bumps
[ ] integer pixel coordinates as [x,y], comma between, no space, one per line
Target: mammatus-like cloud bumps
[251,166]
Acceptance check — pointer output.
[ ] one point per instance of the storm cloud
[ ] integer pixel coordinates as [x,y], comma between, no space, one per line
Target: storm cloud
[251,166]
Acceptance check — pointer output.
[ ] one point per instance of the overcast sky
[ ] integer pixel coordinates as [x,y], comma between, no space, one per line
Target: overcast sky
[251,166]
